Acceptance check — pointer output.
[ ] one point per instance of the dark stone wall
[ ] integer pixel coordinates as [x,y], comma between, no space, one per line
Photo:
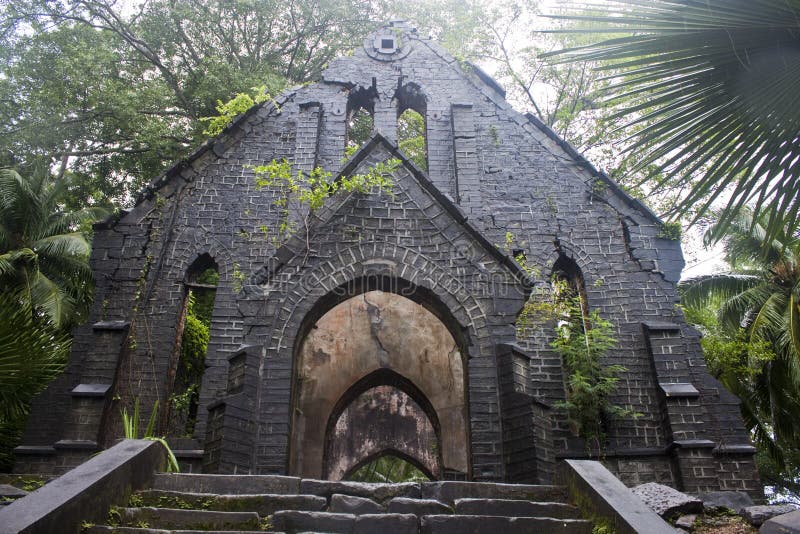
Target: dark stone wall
[495,173]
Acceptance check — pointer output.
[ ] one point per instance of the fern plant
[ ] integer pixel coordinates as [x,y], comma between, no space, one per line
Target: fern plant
[582,342]
[130,425]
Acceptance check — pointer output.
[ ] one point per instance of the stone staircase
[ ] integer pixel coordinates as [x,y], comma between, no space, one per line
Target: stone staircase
[185,503]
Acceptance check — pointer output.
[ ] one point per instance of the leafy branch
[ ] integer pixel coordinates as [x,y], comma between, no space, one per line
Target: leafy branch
[307,192]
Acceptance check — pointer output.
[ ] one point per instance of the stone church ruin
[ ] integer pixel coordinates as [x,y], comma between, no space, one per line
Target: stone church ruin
[386,322]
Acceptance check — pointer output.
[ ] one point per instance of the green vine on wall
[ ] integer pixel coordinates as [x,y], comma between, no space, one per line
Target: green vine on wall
[582,339]
[306,193]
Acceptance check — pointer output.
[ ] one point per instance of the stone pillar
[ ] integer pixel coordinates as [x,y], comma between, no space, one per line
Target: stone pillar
[467,168]
[703,463]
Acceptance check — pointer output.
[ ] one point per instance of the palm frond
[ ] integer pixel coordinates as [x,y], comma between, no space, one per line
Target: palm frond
[47,297]
[703,290]
[715,83]
[31,354]
[72,244]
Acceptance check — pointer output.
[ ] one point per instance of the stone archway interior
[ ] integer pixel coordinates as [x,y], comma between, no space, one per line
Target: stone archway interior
[370,332]
[379,419]
[388,466]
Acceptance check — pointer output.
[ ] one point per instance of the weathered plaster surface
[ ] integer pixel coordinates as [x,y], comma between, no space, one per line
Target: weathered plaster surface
[372,331]
[382,419]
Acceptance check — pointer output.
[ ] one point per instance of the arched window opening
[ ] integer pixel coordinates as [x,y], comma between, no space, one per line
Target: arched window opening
[411,128]
[570,293]
[389,466]
[411,137]
[583,340]
[360,119]
[190,352]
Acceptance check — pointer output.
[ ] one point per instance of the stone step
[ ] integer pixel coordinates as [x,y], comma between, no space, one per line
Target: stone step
[371,490]
[171,518]
[449,491]
[263,504]
[106,529]
[475,524]
[227,484]
[293,522]
[418,507]
[515,508]
[445,491]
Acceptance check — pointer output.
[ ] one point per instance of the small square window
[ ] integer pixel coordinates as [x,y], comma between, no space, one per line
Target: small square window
[387,44]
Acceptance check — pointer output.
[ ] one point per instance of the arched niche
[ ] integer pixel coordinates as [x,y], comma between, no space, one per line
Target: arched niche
[382,412]
[376,333]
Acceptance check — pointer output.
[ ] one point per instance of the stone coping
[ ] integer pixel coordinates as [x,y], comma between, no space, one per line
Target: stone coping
[86,492]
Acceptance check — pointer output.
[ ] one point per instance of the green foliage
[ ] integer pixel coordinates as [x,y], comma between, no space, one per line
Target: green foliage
[411,137]
[44,259]
[196,336]
[749,317]
[227,111]
[671,231]
[130,426]
[32,353]
[359,130]
[310,191]
[715,98]
[388,468]
[603,526]
[111,95]
[194,345]
[582,341]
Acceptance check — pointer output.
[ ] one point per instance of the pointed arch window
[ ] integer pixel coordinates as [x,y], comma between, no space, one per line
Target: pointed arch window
[360,119]
[186,372]
[570,292]
[412,138]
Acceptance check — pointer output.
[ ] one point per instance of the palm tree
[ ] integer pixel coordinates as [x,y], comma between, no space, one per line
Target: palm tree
[712,85]
[753,346]
[43,257]
[31,354]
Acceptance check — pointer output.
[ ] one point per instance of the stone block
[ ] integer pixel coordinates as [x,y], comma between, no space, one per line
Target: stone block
[419,507]
[292,521]
[378,492]
[387,523]
[667,502]
[757,515]
[350,504]
[782,524]
[733,500]
[515,508]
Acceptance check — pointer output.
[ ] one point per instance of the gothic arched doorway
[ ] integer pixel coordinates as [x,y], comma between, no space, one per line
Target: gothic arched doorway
[378,372]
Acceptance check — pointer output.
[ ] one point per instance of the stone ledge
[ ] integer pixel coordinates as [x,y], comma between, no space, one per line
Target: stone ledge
[600,494]
[86,492]
[76,445]
[664,327]
[188,453]
[35,450]
[581,454]
[679,390]
[742,448]
[90,390]
[111,325]
[693,444]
